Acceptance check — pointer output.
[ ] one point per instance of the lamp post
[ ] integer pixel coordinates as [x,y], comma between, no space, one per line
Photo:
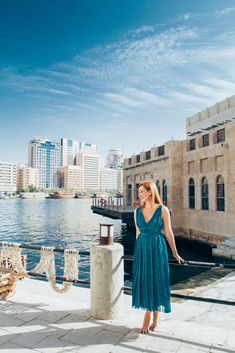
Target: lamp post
[106,234]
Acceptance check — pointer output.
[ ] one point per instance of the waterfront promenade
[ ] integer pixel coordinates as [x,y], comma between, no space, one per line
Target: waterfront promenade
[36,319]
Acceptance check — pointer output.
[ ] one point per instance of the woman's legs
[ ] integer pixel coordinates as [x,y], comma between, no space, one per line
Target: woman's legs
[154,322]
[145,326]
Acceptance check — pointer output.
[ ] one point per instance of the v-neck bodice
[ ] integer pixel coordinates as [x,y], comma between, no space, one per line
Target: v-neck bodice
[154,224]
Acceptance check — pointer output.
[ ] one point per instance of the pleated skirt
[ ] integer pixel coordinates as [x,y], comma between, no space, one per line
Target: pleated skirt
[151,282]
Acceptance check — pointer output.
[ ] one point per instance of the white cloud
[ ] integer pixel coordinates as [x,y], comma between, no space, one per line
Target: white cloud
[122,99]
[226,11]
[143,29]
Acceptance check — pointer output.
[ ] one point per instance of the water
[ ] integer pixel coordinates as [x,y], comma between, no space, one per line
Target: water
[71,224]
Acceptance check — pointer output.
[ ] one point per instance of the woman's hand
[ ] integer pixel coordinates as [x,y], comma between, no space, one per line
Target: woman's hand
[178,258]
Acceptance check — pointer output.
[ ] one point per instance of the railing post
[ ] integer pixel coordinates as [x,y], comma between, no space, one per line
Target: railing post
[107,280]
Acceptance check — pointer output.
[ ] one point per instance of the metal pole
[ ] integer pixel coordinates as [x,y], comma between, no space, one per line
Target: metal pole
[191,297]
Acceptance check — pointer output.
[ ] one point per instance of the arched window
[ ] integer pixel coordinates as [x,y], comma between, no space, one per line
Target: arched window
[164,192]
[191,193]
[220,193]
[158,186]
[205,194]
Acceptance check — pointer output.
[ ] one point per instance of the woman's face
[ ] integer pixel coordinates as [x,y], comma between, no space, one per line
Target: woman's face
[143,194]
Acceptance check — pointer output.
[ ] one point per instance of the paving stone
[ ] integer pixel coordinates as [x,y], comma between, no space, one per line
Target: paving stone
[221,350]
[166,345]
[4,336]
[116,328]
[97,348]
[10,347]
[53,316]
[34,325]
[31,339]
[14,309]
[9,321]
[122,349]
[136,340]
[105,337]
[230,339]
[81,335]
[191,348]
[53,345]
[29,314]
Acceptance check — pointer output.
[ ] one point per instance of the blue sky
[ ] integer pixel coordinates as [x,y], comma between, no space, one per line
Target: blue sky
[118,73]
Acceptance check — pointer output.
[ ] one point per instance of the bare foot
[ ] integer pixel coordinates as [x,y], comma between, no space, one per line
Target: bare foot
[145,326]
[153,325]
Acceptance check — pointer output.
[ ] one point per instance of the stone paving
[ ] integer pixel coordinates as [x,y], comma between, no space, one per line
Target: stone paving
[36,319]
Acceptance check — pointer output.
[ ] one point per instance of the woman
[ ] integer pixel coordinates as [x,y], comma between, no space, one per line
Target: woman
[151,284]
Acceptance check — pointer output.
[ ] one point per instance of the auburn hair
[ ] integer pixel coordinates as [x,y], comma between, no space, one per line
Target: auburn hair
[149,185]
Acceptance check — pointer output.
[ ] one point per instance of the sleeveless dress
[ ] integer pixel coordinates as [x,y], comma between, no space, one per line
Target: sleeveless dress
[151,283]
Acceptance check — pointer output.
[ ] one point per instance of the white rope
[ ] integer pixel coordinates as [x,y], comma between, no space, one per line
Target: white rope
[10,257]
[47,266]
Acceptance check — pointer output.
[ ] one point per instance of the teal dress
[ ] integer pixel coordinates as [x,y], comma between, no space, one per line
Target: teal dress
[151,283]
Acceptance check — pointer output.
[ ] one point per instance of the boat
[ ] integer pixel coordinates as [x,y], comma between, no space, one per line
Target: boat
[82,195]
[62,195]
[32,195]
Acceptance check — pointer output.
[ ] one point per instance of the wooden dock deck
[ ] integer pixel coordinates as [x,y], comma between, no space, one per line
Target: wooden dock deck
[114,211]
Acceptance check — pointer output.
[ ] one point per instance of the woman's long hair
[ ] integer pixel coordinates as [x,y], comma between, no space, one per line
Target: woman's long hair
[149,185]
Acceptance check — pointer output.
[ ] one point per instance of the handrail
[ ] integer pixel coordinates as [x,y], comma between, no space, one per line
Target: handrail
[191,263]
[130,258]
[35,247]
[191,297]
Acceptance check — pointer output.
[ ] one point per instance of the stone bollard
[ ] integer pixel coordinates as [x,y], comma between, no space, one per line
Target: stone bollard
[107,279]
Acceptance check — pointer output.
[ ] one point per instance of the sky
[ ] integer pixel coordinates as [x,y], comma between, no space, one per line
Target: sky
[118,73]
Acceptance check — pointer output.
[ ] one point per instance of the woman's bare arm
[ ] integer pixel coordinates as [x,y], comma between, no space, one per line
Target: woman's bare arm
[137,231]
[169,233]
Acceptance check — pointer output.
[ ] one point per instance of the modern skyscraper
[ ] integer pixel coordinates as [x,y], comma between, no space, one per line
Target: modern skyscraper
[44,155]
[87,147]
[114,159]
[68,150]
[108,179]
[90,164]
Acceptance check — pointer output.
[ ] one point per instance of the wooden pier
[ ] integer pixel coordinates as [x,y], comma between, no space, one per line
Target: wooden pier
[114,209]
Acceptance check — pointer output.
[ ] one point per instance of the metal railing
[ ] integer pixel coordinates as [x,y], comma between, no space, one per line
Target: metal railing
[193,264]
[172,262]
[109,203]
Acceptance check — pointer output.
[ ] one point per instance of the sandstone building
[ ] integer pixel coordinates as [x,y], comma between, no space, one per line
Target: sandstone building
[195,177]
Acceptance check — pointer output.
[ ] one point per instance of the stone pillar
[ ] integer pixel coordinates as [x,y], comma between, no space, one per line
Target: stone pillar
[107,279]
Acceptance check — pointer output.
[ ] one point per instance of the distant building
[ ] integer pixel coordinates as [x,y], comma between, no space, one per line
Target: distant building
[108,179]
[120,179]
[71,177]
[7,178]
[195,177]
[87,147]
[90,165]
[114,159]
[68,150]
[44,155]
[26,176]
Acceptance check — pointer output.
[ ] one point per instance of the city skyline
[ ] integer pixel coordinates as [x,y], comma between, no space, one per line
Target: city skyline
[116,74]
